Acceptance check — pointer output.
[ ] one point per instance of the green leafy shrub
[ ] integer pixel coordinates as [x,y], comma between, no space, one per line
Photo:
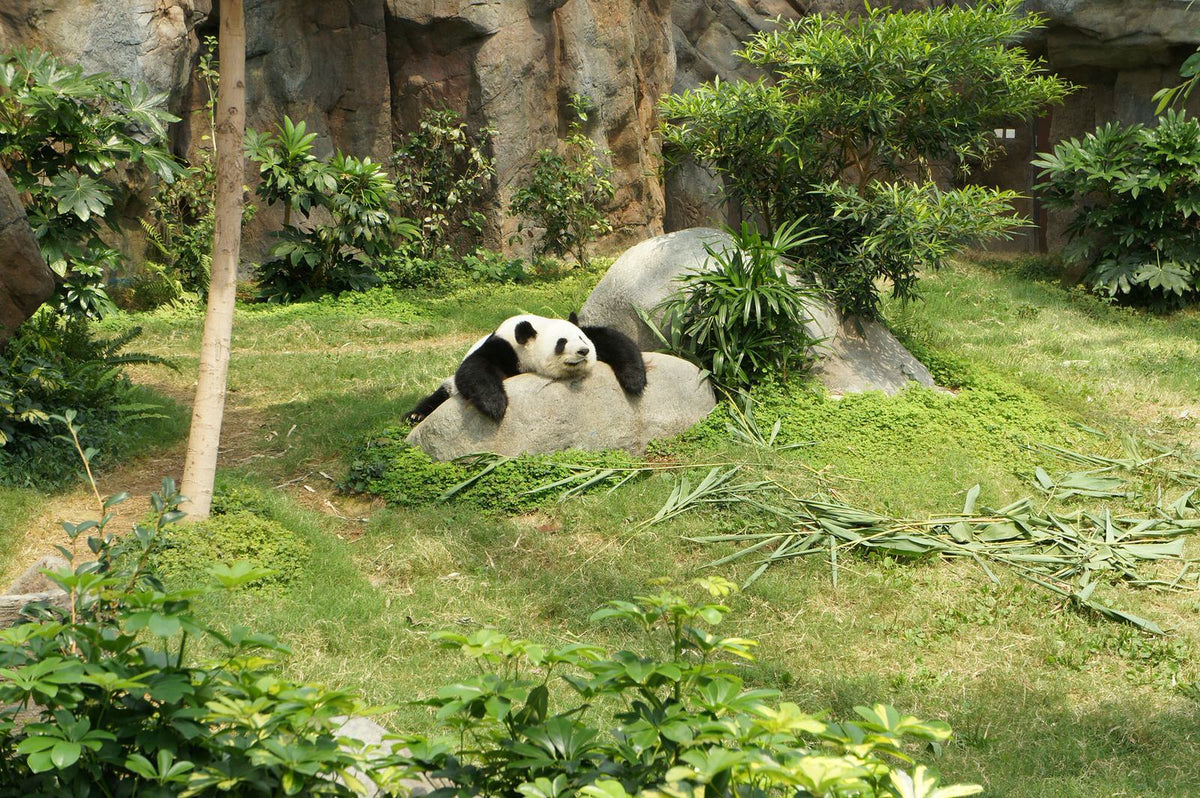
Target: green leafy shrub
[64,137]
[742,319]
[566,193]
[407,268]
[485,265]
[179,230]
[1135,193]
[443,173]
[232,537]
[315,257]
[119,710]
[673,717]
[842,132]
[53,364]
[401,474]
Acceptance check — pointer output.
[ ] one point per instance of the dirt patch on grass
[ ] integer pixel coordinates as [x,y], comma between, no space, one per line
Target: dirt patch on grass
[139,477]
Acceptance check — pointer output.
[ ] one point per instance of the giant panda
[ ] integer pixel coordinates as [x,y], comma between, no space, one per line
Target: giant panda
[553,348]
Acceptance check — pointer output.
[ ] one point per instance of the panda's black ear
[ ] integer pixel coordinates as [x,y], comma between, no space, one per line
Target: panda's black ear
[573,318]
[525,333]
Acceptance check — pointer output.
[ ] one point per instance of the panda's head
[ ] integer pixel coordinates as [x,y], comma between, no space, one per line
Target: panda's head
[554,348]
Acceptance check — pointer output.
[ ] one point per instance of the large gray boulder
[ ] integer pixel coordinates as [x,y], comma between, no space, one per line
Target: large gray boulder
[32,586]
[855,356]
[592,413]
[25,279]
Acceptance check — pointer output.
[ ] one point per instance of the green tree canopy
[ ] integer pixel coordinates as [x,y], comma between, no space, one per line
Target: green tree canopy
[847,126]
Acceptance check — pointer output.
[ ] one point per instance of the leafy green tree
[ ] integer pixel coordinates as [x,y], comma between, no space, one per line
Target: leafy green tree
[1135,195]
[566,193]
[63,137]
[312,256]
[442,173]
[845,131]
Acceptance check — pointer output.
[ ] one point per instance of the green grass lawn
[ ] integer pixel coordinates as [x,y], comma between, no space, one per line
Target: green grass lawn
[1045,701]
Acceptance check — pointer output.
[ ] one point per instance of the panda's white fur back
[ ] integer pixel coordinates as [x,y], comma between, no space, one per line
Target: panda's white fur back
[539,355]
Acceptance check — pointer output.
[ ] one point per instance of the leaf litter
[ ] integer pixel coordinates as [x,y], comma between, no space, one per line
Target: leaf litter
[1068,553]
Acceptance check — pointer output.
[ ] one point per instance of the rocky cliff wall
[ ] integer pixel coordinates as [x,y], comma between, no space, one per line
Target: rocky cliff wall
[361,72]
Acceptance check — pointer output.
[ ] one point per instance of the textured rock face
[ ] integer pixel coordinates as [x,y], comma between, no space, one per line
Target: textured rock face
[514,64]
[592,413]
[146,40]
[25,279]
[855,355]
[361,71]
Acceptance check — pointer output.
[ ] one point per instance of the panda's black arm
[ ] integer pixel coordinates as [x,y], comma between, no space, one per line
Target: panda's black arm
[428,404]
[622,355]
[480,377]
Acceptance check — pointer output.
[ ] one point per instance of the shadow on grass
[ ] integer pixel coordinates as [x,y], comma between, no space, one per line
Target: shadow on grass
[1021,740]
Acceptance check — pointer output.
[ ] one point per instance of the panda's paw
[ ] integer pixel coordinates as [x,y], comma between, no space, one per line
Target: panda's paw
[632,378]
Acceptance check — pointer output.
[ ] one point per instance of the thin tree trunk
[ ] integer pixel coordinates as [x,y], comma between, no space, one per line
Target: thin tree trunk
[200,468]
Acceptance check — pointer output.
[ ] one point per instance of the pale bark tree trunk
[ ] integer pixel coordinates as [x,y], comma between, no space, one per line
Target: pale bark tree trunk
[200,467]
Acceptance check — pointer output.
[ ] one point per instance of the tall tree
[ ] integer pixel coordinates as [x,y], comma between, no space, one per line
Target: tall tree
[208,410]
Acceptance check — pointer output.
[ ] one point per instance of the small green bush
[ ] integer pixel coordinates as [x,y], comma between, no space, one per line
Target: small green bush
[401,474]
[1135,194]
[742,319]
[443,173]
[53,364]
[671,717]
[233,536]
[487,266]
[315,257]
[565,195]
[115,706]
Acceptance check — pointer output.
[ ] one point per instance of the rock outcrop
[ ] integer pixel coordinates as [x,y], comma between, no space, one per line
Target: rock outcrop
[513,65]
[855,355]
[361,72]
[149,41]
[25,279]
[593,413]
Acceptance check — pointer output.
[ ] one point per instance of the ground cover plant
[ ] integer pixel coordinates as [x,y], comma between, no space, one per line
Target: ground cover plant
[843,133]
[683,720]
[1044,700]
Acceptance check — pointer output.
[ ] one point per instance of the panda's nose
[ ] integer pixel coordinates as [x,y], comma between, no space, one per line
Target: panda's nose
[583,352]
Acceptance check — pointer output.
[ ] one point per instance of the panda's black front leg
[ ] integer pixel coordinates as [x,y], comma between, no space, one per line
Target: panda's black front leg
[428,404]
[480,378]
[622,355]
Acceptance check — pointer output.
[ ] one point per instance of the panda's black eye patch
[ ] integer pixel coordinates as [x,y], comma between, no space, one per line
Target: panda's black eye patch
[525,333]
[560,346]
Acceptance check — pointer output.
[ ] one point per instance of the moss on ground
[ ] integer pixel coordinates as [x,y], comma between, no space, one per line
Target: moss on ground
[404,475]
[225,539]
